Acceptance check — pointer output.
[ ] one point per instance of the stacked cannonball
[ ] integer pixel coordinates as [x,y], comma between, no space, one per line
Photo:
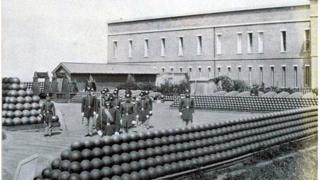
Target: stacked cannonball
[19,105]
[164,153]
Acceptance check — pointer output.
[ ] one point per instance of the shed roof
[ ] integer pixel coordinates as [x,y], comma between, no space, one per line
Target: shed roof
[104,68]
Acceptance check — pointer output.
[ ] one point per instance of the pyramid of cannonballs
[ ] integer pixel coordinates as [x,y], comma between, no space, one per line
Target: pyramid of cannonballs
[19,105]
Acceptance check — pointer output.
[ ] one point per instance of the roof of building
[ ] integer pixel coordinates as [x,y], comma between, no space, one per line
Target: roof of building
[253,7]
[104,68]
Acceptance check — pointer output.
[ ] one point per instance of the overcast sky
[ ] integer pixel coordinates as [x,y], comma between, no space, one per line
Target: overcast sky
[38,34]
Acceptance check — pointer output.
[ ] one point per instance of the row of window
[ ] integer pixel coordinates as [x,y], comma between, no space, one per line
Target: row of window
[261,73]
[199,39]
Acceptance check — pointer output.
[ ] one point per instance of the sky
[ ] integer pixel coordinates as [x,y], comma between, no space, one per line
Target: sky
[36,35]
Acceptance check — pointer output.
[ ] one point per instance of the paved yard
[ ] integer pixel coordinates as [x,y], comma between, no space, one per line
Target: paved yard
[21,144]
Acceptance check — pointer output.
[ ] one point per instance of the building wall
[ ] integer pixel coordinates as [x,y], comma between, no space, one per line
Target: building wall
[270,22]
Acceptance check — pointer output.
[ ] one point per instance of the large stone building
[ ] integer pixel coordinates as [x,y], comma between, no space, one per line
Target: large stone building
[274,45]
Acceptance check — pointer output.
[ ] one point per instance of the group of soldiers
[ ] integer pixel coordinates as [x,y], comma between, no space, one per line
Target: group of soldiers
[111,114]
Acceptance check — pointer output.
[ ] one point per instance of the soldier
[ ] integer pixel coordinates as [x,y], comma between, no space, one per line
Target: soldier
[143,109]
[116,100]
[186,108]
[254,91]
[127,111]
[148,98]
[48,111]
[110,118]
[89,110]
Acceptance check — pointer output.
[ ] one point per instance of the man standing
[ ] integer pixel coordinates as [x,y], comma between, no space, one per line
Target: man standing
[116,100]
[110,118]
[143,109]
[149,99]
[48,111]
[186,108]
[89,110]
[127,111]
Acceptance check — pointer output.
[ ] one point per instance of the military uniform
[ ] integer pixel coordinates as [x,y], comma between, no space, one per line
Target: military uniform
[89,109]
[110,120]
[149,99]
[143,108]
[127,111]
[48,111]
[186,109]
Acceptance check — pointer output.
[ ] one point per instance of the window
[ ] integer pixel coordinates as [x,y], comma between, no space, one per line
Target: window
[250,42]
[146,47]
[130,49]
[284,76]
[295,74]
[180,51]
[250,75]
[199,69]
[163,69]
[180,69]
[307,40]
[163,46]
[260,42]
[190,69]
[199,45]
[239,72]
[115,49]
[229,70]
[272,74]
[261,73]
[239,43]
[209,71]
[218,43]
[219,70]
[172,69]
[283,40]
[307,76]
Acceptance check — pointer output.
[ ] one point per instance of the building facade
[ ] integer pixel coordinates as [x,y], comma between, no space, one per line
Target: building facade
[270,45]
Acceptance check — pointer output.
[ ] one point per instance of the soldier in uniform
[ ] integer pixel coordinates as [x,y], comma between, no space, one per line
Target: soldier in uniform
[48,111]
[110,118]
[116,100]
[89,110]
[186,108]
[143,109]
[127,111]
[148,98]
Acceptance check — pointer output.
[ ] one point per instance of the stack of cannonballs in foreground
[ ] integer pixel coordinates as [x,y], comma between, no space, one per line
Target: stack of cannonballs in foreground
[159,154]
[19,105]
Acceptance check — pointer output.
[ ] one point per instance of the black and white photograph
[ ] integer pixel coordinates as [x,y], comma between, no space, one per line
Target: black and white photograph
[159,89]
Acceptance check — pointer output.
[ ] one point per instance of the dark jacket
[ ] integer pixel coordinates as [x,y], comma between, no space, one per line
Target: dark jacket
[89,105]
[186,107]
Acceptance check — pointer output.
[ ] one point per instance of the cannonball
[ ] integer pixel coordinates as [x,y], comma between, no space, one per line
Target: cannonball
[16,121]
[11,107]
[116,139]
[116,158]
[78,145]
[107,161]
[125,147]
[29,93]
[88,144]
[95,174]
[97,152]
[14,86]
[106,171]
[65,155]
[28,99]
[86,154]
[55,174]
[133,137]
[65,165]
[116,148]
[64,175]
[13,93]
[134,165]
[144,174]
[55,164]
[46,173]
[22,87]
[27,106]
[133,145]
[135,176]
[35,105]
[125,168]
[143,163]
[96,163]
[25,120]
[134,155]
[35,99]
[125,177]
[74,176]
[86,165]
[10,114]
[18,113]
[116,169]
[151,162]
[152,172]
[19,107]
[14,80]
[107,150]
[75,167]
[22,93]
[85,175]
[116,178]
[13,100]
[5,105]
[159,171]
[142,153]
[75,155]
[142,144]
[8,122]
[97,143]
[124,138]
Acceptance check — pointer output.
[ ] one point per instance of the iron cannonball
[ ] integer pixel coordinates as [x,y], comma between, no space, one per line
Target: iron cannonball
[8,122]
[86,165]
[107,161]
[35,99]
[24,120]
[97,163]
[116,169]
[125,157]
[143,163]
[4,113]
[159,171]
[125,177]
[142,144]
[27,106]
[142,153]
[125,168]
[116,148]
[141,135]
[75,155]
[125,147]
[29,93]
[133,137]
[133,145]
[19,107]
[116,158]
[34,112]
[75,167]
[12,100]
[65,155]
[22,87]
[55,164]
[150,152]
[65,165]
[85,175]
[150,134]
[144,174]
[14,86]
[98,143]
[167,169]
[88,144]
[16,121]
[78,145]
[107,150]
[46,173]
[18,113]
[22,93]
[157,150]
[14,80]
[5,106]
[159,160]
[64,175]
[95,174]
[106,171]
[28,99]
[74,176]
[134,155]
[10,114]
[152,172]
[55,174]
[135,176]
[116,139]
[134,165]
[151,162]
[35,105]
[149,143]
[97,152]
